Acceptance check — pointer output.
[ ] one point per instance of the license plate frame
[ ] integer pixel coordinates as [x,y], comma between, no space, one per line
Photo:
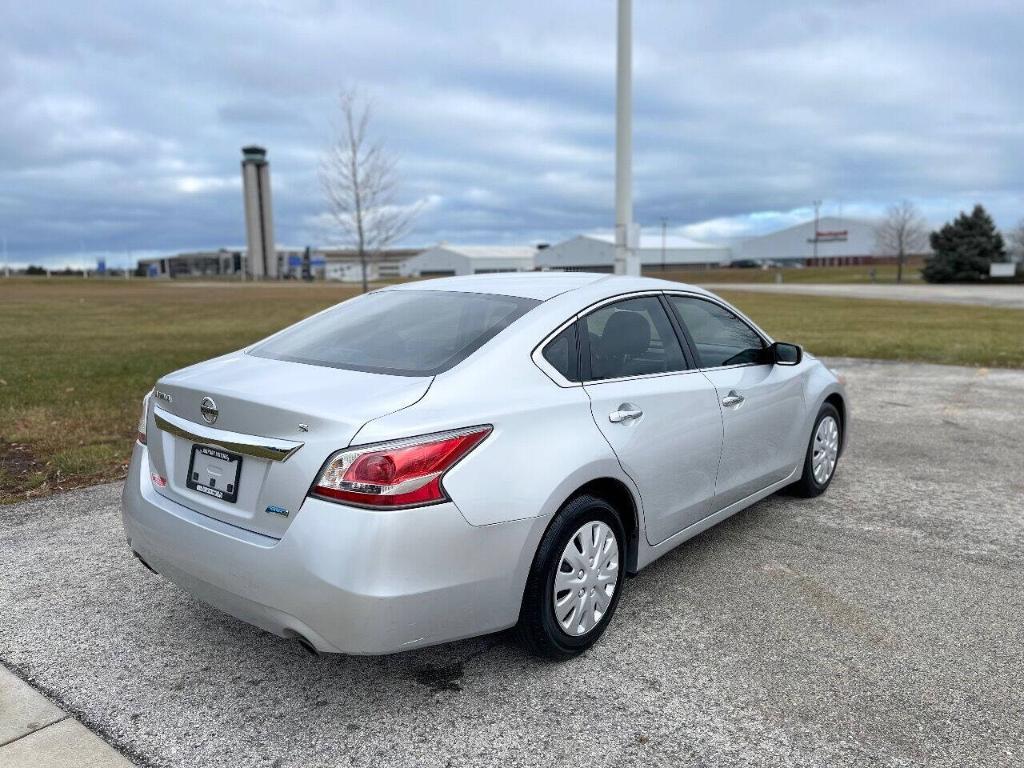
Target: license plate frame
[205,479]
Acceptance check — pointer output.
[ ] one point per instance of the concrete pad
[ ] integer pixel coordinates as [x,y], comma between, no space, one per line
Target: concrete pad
[22,709]
[66,744]
[1009,296]
[876,626]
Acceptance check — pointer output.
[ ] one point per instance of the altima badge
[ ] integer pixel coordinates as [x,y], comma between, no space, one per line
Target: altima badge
[209,410]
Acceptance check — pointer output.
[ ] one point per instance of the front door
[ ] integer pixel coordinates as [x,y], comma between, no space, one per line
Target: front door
[660,416]
[762,404]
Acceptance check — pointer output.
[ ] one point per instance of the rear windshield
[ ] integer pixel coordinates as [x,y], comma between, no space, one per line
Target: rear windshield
[403,333]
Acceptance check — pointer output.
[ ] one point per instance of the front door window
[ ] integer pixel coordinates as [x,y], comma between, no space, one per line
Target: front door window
[721,338]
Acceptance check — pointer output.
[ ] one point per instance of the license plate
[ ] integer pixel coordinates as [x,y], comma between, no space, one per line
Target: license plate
[215,472]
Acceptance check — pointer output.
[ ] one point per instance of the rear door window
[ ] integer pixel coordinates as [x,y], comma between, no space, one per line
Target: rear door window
[563,354]
[398,332]
[633,337]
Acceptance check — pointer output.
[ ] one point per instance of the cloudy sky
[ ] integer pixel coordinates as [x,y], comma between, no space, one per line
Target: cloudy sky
[122,119]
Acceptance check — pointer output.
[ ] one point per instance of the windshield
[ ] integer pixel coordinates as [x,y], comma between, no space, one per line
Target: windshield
[403,333]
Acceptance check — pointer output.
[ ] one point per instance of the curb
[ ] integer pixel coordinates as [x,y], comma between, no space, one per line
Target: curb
[36,733]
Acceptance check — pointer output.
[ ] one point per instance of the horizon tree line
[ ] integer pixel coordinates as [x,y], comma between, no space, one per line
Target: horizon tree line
[962,249]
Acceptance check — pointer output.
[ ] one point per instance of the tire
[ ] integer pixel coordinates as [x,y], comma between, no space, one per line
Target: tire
[540,628]
[811,484]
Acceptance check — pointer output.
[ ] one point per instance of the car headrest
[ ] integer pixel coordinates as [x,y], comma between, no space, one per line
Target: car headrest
[627,333]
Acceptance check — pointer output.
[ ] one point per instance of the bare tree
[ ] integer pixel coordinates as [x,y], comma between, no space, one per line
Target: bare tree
[1017,238]
[901,233]
[360,181]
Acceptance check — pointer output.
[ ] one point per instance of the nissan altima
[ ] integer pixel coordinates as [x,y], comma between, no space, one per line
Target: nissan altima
[448,458]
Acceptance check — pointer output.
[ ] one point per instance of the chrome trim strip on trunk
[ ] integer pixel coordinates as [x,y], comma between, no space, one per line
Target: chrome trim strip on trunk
[249,445]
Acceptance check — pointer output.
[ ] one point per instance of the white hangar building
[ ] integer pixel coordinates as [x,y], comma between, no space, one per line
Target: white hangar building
[449,260]
[596,253]
[839,241]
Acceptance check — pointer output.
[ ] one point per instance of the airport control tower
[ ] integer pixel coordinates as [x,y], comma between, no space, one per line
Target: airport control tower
[261,261]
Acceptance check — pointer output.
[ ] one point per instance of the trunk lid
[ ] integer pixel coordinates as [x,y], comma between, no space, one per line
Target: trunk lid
[260,403]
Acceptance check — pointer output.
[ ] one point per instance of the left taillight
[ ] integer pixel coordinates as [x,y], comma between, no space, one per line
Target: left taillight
[141,435]
[402,473]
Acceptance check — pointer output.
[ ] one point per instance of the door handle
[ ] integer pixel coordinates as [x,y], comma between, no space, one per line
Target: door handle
[733,398]
[624,414]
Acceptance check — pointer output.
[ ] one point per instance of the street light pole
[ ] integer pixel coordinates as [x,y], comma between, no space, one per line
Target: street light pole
[664,223]
[817,205]
[626,259]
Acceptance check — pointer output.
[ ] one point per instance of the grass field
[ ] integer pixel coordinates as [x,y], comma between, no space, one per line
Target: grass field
[77,356]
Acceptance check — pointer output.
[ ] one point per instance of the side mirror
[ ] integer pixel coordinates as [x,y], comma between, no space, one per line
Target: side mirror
[786,354]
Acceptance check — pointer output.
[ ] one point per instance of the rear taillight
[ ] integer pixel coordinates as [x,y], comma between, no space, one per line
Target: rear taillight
[403,473]
[141,436]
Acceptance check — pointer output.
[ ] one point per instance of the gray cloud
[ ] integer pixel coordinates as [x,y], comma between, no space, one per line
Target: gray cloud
[122,122]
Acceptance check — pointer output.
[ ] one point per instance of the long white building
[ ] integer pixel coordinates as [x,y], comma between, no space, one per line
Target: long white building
[448,260]
[596,253]
[835,242]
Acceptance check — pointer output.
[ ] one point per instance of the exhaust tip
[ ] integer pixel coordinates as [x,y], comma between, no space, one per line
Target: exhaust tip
[149,567]
[306,645]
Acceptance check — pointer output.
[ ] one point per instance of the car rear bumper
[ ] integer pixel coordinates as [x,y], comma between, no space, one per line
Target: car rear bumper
[348,580]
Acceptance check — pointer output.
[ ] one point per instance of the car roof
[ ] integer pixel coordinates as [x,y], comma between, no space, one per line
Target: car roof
[543,285]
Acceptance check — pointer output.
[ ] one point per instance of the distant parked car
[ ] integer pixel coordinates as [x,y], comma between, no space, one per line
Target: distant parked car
[454,457]
[744,264]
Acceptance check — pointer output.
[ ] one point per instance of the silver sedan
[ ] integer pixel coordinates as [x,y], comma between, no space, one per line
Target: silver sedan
[444,459]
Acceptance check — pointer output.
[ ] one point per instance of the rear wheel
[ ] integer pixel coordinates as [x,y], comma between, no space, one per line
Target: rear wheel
[822,453]
[575,580]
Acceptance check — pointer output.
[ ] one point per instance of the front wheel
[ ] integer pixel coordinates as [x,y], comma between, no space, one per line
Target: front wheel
[822,453]
[575,580]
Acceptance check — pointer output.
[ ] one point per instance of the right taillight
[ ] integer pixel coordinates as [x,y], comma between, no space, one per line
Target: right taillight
[402,473]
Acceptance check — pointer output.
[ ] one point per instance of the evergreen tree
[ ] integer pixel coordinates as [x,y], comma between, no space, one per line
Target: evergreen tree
[964,248]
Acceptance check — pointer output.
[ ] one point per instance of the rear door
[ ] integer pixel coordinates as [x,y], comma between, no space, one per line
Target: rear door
[762,404]
[659,414]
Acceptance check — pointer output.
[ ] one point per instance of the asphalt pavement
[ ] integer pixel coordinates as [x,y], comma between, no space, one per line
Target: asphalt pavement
[879,625]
